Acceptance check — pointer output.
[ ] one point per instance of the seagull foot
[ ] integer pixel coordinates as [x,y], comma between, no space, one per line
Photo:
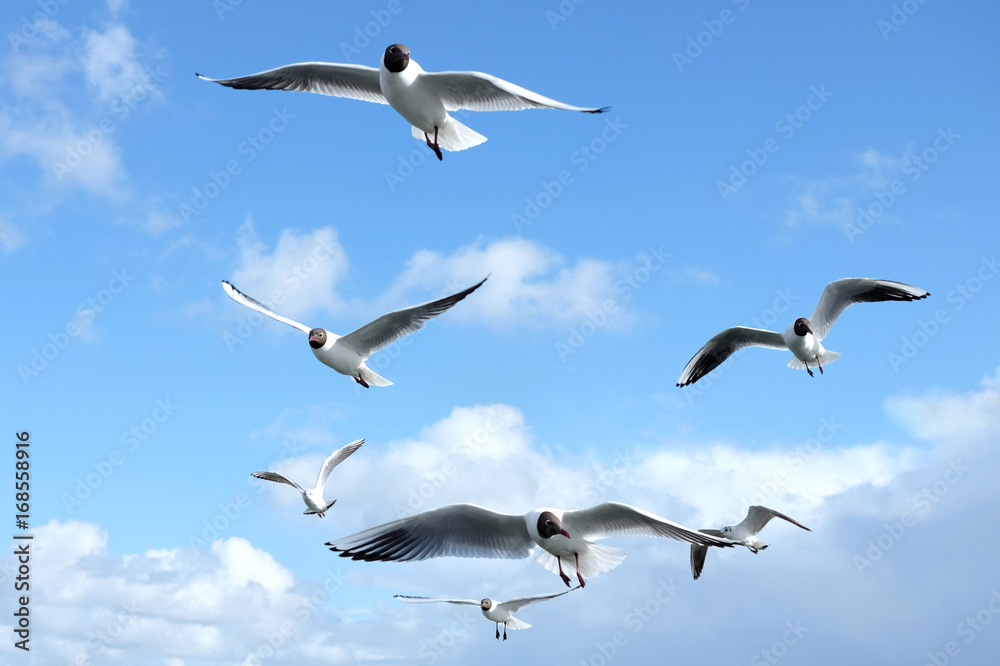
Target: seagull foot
[505,632]
[498,632]
[819,365]
[810,371]
[434,146]
[361,380]
[580,578]
[562,575]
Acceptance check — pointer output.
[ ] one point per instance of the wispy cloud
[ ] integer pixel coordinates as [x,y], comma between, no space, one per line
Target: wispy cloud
[832,200]
[11,237]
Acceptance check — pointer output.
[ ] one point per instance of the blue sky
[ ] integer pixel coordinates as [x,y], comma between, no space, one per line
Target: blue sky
[753,153]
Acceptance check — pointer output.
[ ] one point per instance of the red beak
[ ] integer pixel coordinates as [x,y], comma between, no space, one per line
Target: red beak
[564,533]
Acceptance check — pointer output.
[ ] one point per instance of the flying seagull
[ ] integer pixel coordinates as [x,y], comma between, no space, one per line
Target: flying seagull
[803,336]
[498,612]
[347,354]
[743,534]
[422,98]
[314,496]
[467,530]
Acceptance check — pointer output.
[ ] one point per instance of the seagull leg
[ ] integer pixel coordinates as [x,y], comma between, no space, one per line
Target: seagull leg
[579,577]
[820,365]
[505,631]
[564,577]
[434,146]
[808,370]
[498,630]
[361,380]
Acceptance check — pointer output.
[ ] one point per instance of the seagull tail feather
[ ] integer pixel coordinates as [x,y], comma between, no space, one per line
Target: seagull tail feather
[826,357]
[514,623]
[598,559]
[373,378]
[454,136]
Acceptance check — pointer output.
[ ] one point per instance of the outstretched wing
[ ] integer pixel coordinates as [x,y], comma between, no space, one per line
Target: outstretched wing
[246,301]
[458,530]
[518,603]
[724,345]
[391,327]
[426,600]
[335,458]
[759,516]
[326,78]
[477,91]
[277,478]
[614,518]
[840,294]
[698,553]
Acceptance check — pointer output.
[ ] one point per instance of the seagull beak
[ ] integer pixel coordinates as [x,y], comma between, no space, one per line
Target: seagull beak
[564,533]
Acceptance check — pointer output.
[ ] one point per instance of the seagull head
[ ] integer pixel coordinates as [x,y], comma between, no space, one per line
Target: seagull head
[396,58]
[317,338]
[549,525]
[802,327]
[487,604]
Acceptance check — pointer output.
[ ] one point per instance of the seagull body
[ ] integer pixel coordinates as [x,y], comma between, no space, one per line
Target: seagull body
[347,354]
[494,611]
[467,530]
[313,497]
[422,98]
[745,534]
[803,337]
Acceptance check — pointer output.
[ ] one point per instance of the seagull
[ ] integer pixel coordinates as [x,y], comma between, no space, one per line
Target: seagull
[422,98]
[467,530]
[744,534]
[492,610]
[803,336]
[347,354]
[314,496]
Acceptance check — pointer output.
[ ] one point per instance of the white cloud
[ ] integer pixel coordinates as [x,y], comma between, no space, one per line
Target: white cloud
[157,222]
[11,237]
[530,285]
[944,417]
[700,276]
[84,319]
[832,200]
[48,121]
[64,151]
[298,277]
[219,603]
[116,6]
[111,66]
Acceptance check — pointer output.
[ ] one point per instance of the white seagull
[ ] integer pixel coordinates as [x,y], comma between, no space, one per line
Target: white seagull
[314,496]
[744,534]
[422,98]
[497,612]
[803,336]
[467,530]
[347,354]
